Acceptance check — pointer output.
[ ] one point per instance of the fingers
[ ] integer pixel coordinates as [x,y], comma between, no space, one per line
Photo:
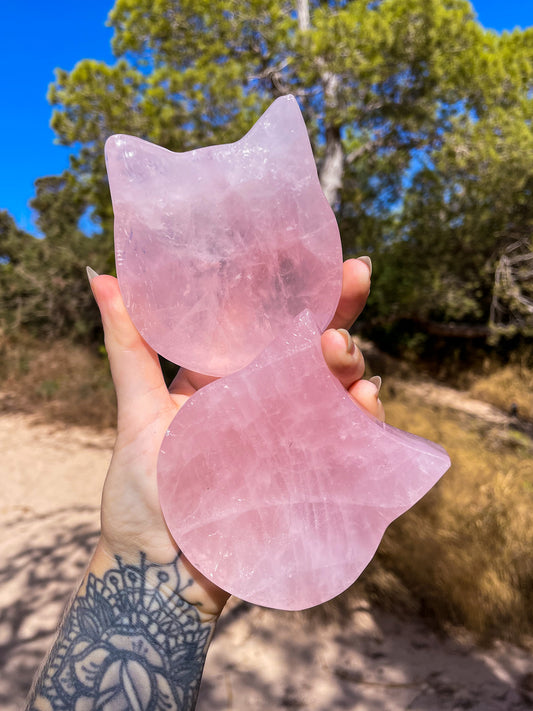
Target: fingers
[344,359]
[347,364]
[134,365]
[355,289]
[366,394]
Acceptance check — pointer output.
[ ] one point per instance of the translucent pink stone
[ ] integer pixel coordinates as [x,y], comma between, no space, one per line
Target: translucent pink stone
[218,249]
[277,486]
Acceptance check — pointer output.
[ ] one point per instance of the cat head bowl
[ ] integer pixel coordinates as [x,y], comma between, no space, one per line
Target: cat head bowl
[218,249]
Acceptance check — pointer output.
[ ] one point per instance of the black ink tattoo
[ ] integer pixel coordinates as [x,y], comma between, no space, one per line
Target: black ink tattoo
[127,643]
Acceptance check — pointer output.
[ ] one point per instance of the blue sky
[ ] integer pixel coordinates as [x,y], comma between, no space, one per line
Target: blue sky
[37,36]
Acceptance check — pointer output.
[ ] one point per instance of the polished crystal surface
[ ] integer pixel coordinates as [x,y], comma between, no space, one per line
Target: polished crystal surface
[277,486]
[218,249]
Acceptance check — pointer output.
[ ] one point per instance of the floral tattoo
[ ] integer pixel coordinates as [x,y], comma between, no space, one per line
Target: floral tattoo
[129,642]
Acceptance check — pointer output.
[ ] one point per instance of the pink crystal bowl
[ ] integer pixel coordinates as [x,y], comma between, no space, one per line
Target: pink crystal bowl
[288,496]
[218,249]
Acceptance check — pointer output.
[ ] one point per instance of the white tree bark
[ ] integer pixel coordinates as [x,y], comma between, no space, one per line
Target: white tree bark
[302,9]
[331,170]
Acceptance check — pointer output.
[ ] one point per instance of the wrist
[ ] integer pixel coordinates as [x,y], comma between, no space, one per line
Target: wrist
[131,638]
[175,580]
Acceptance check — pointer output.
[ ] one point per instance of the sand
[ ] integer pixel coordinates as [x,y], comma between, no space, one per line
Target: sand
[260,659]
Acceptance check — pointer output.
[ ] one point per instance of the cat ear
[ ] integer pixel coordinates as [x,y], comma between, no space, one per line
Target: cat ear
[133,164]
[280,138]
[276,146]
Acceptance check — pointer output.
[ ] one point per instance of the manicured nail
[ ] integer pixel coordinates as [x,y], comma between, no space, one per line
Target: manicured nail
[376,380]
[350,345]
[91,274]
[368,263]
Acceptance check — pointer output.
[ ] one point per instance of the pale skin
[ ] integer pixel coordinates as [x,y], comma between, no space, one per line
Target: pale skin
[131,521]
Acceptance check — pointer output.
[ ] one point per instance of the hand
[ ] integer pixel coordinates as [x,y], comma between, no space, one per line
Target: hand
[131,515]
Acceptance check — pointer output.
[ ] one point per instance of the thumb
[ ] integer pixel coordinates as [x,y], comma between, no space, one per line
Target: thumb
[135,368]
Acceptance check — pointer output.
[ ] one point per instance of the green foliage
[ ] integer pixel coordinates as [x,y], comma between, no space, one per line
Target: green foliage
[420,121]
[376,78]
[465,236]
[43,285]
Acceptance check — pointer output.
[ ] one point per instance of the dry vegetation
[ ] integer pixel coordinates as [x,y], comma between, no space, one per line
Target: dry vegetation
[511,383]
[464,552]
[60,381]
[462,556]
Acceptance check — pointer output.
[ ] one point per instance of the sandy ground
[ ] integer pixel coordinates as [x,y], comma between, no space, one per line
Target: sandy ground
[260,659]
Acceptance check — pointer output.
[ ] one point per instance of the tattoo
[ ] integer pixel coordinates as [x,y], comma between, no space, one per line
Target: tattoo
[127,644]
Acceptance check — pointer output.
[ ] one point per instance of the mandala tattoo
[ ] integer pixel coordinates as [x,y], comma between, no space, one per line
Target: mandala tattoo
[126,644]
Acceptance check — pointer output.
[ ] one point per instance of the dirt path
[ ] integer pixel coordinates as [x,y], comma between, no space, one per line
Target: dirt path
[435,394]
[260,659]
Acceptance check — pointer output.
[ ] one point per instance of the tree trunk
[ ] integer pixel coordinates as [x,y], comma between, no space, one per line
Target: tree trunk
[331,170]
[302,10]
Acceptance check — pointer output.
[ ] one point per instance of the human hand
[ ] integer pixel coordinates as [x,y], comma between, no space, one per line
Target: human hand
[131,515]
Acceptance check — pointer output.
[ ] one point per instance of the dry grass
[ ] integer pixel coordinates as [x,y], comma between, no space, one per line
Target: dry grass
[463,554]
[505,386]
[56,381]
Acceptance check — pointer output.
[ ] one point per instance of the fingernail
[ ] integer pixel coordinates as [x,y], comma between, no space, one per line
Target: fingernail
[376,380]
[350,345]
[368,263]
[91,274]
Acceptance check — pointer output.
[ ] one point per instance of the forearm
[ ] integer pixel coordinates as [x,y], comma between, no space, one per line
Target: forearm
[135,636]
